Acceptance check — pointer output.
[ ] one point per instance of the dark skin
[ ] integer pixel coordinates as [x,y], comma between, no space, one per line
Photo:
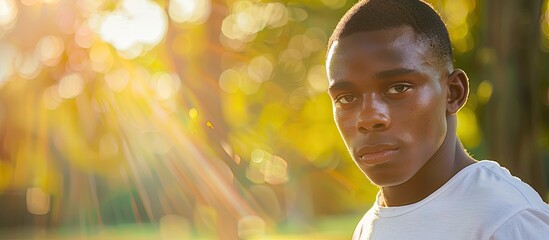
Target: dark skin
[395,105]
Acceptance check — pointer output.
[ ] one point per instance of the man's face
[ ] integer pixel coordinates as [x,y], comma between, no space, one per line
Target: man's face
[389,99]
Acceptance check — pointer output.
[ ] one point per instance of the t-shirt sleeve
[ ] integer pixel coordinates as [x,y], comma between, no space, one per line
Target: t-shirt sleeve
[527,224]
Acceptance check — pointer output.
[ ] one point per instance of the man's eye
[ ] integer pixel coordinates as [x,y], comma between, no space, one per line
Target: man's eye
[346,99]
[398,89]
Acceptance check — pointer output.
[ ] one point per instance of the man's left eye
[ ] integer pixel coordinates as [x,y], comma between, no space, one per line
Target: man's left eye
[398,89]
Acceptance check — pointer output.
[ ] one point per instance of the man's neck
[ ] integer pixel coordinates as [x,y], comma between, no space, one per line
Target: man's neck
[446,162]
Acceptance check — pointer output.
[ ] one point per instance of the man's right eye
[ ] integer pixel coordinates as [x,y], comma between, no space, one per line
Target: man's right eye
[346,99]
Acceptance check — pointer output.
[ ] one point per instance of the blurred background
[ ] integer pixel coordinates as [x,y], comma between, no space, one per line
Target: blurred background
[209,119]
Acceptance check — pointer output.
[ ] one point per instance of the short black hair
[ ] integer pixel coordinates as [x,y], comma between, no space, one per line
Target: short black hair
[372,15]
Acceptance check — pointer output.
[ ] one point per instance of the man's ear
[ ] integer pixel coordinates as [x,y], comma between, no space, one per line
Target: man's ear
[458,91]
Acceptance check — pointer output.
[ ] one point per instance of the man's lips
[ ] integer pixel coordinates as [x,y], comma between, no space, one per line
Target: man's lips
[375,154]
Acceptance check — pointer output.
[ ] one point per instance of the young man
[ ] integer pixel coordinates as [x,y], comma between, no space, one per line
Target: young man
[395,96]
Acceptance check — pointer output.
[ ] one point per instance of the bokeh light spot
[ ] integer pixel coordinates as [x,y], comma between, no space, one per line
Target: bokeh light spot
[276,14]
[51,98]
[545,27]
[84,36]
[8,13]
[484,91]
[460,32]
[259,155]
[101,57]
[297,14]
[38,201]
[276,171]
[315,39]
[193,11]
[248,86]
[229,80]
[456,12]
[317,79]
[71,86]
[193,113]
[260,69]
[30,65]
[251,226]
[468,130]
[118,79]
[8,58]
[132,25]
[165,84]
[464,44]
[249,18]
[50,48]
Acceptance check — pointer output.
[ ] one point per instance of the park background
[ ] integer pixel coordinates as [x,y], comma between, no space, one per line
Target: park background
[199,119]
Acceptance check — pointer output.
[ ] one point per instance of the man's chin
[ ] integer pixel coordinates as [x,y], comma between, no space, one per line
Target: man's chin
[383,182]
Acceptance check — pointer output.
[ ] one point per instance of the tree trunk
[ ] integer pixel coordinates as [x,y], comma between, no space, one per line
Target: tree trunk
[512,35]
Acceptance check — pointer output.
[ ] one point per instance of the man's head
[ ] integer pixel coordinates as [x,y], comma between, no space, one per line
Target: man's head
[385,14]
[393,87]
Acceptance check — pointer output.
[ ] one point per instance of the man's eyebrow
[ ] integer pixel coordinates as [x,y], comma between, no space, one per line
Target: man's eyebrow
[394,72]
[341,85]
[346,85]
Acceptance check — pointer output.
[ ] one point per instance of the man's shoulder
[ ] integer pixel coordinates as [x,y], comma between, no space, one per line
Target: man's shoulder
[501,203]
[478,202]
[493,194]
[489,183]
[525,224]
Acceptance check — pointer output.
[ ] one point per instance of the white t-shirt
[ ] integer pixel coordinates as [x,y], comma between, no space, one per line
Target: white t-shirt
[482,201]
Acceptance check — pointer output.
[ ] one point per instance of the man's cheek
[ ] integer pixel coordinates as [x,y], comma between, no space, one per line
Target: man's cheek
[345,126]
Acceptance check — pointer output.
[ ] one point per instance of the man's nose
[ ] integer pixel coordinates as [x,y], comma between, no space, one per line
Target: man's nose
[374,115]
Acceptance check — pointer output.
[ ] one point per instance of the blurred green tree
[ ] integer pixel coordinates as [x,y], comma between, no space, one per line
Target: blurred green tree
[513,119]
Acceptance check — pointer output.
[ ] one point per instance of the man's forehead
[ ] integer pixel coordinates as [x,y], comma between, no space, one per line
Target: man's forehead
[391,48]
[398,35]
[388,41]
